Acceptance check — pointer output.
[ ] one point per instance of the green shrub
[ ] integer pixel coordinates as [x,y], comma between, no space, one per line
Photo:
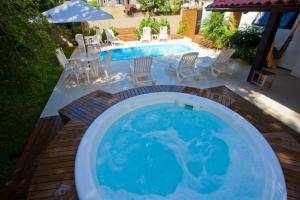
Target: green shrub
[114,30]
[89,31]
[181,28]
[215,28]
[94,3]
[146,5]
[245,43]
[103,35]
[153,23]
[164,22]
[176,9]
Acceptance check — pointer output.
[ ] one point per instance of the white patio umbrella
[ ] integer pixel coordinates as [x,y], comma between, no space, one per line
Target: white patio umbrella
[75,11]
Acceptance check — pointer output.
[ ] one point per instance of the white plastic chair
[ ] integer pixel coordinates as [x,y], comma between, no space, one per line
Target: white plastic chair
[65,63]
[80,68]
[220,64]
[106,65]
[141,70]
[163,33]
[146,37]
[111,38]
[80,41]
[94,41]
[186,67]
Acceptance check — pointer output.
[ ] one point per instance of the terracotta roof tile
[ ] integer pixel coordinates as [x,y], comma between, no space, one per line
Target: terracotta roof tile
[233,3]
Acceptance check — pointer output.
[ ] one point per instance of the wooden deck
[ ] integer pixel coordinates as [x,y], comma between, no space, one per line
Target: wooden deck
[53,176]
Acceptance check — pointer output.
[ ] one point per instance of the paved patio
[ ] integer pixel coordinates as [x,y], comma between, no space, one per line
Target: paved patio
[281,101]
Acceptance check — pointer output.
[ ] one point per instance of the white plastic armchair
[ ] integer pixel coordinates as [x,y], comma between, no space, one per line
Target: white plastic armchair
[163,33]
[111,38]
[141,70]
[80,41]
[186,67]
[81,69]
[146,37]
[106,66]
[65,63]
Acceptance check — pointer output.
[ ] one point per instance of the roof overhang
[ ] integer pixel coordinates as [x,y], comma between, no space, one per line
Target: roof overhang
[279,7]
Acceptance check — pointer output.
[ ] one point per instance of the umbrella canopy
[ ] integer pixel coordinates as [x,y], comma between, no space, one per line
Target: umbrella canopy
[75,11]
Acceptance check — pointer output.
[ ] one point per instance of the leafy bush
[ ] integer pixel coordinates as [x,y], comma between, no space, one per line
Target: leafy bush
[28,72]
[24,43]
[164,22]
[181,28]
[94,3]
[159,6]
[215,28]
[103,35]
[89,31]
[176,9]
[146,5]
[245,43]
[153,23]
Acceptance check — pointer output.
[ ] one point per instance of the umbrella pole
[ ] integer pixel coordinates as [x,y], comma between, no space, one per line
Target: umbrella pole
[82,28]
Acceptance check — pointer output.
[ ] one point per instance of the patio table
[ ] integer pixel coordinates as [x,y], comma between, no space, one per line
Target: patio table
[88,58]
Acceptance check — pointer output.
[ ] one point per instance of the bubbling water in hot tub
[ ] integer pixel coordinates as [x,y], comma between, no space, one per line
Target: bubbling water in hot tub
[165,151]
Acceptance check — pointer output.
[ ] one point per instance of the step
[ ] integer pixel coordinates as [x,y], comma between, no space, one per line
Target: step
[128,37]
[122,31]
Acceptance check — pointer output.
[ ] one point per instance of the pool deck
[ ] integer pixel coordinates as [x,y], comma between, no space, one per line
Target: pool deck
[46,168]
[281,101]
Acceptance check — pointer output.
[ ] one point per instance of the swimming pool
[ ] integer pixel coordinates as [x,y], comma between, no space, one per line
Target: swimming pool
[175,146]
[150,50]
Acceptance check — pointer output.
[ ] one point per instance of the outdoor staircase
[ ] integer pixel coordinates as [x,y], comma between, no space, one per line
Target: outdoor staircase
[127,34]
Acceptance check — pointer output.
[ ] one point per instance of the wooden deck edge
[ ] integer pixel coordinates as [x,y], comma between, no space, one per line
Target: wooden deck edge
[17,184]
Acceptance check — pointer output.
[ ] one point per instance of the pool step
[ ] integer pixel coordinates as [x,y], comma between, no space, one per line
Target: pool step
[127,34]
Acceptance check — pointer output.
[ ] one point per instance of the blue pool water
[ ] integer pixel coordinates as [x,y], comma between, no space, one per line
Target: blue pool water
[151,50]
[164,151]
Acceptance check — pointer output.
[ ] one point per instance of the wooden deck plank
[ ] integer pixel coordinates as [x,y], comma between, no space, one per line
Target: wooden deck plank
[48,177]
[17,185]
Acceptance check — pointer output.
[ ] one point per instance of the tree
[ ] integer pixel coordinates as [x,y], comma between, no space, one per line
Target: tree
[25,42]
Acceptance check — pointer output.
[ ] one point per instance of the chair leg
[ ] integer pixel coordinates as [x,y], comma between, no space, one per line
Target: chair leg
[178,77]
[77,79]
[215,72]
[88,77]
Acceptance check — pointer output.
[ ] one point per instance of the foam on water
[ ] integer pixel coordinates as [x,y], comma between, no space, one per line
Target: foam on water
[167,152]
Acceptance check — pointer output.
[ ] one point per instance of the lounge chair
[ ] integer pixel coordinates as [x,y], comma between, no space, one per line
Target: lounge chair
[186,67]
[111,38]
[220,64]
[146,37]
[163,33]
[80,41]
[140,72]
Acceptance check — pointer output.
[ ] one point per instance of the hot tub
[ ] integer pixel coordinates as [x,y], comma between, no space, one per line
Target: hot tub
[175,146]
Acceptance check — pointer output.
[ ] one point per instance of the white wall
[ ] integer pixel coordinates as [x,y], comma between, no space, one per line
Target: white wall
[292,54]
[291,58]
[134,22]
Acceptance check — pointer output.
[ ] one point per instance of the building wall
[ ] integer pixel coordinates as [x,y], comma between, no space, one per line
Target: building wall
[291,58]
[134,22]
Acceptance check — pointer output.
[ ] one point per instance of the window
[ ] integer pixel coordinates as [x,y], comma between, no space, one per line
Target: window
[287,21]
